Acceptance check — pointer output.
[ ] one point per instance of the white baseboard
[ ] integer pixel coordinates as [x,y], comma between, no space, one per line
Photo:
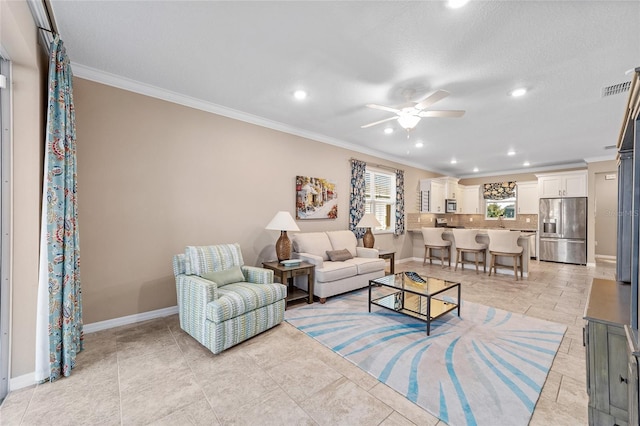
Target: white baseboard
[129,319]
[29,379]
[23,381]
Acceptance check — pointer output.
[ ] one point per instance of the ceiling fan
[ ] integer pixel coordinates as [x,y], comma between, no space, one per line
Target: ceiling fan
[409,116]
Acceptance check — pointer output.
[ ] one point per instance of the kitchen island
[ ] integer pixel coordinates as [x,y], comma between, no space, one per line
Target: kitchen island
[482,237]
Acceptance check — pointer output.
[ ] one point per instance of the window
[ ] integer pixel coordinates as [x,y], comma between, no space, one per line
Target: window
[496,208]
[380,197]
[499,200]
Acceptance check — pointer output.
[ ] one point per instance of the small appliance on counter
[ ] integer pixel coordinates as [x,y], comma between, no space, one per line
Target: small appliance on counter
[441,222]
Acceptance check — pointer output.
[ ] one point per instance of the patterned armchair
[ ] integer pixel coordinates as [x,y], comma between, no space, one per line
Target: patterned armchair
[222,302]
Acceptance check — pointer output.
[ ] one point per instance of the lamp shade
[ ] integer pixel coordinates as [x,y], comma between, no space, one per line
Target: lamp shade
[368,221]
[283,221]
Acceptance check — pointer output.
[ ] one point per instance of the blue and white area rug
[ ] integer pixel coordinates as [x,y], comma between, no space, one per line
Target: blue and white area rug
[485,368]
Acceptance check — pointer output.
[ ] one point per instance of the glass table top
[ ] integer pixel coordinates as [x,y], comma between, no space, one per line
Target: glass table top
[410,281]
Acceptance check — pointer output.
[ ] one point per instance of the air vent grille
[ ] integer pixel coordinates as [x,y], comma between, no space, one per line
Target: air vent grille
[610,147]
[616,89]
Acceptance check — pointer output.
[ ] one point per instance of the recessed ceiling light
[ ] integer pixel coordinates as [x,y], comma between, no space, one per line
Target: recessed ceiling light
[475,170]
[526,164]
[518,92]
[454,161]
[511,153]
[419,144]
[456,4]
[388,130]
[300,94]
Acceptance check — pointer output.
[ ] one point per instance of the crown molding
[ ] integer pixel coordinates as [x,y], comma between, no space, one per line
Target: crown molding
[526,170]
[601,158]
[102,77]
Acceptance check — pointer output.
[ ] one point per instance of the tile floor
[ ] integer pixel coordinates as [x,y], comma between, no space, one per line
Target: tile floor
[153,373]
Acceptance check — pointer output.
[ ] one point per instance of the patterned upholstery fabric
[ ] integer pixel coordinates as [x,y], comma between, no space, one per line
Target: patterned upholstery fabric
[221,317]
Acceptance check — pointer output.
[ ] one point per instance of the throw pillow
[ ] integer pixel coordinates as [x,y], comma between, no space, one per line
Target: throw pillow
[339,255]
[226,276]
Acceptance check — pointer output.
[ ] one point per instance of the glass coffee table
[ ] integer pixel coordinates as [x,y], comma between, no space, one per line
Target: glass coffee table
[423,298]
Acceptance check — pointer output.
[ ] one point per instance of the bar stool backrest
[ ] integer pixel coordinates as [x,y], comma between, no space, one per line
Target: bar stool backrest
[433,237]
[504,241]
[466,239]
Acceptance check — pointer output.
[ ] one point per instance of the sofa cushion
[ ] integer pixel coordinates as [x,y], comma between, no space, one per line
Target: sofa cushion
[238,298]
[339,255]
[343,239]
[332,271]
[367,264]
[316,243]
[226,276]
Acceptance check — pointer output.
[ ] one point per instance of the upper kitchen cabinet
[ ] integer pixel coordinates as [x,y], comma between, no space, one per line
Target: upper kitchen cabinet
[527,195]
[470,197]
[567,184]
[432,192]
[451,188]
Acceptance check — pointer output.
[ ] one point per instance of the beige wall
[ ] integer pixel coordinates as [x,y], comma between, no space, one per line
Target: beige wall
[593,168]
[605,214]
[155,176]
[18,38]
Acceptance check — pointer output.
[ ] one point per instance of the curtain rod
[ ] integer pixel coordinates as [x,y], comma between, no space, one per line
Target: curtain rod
[380,166]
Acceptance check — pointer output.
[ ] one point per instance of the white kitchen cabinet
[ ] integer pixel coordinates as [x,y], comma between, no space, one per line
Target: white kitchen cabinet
[568,184]
[527,194]
[432,196]
[470,197]
[451,187]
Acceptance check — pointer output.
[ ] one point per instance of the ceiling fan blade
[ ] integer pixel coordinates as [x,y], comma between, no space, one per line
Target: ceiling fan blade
[450,114]
[384,108]
[432,99]
[378,122]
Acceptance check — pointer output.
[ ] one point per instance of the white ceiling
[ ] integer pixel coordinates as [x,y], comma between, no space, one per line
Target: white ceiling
[245,59]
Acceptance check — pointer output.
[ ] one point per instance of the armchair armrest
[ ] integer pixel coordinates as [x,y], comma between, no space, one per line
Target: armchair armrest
[310,258]
[256,275]
[367,252]
[194,293]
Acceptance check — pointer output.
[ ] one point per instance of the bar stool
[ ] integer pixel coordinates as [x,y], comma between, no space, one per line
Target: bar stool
[505,243]
[433,241]
[466,243]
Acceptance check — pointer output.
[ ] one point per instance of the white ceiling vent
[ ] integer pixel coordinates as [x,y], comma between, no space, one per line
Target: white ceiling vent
[616,88]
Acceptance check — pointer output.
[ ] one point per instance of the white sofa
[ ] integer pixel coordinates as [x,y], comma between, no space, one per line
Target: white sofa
[336,277]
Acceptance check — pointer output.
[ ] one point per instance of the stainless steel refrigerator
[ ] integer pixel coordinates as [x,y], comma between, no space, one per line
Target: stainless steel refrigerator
[563,230]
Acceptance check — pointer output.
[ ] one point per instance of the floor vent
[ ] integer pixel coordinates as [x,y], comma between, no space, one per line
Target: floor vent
[616,88]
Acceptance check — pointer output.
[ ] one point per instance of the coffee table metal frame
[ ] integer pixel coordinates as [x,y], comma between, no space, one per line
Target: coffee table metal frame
[417,300]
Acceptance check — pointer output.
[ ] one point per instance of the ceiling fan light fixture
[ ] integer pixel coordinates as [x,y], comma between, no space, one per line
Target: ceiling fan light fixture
[408,121]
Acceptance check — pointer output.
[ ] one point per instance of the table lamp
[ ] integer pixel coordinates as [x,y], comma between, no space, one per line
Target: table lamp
[368,221]
[283,222]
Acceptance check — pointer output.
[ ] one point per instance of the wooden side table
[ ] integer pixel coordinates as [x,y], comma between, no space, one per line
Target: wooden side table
[391,255]
[286,274]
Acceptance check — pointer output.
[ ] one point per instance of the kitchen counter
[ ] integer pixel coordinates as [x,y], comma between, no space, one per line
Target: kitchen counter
[482,237]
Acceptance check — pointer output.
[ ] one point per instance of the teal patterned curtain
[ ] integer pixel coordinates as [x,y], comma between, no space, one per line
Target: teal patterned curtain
[59,290]
[499,190]
[356,199]
[399,203]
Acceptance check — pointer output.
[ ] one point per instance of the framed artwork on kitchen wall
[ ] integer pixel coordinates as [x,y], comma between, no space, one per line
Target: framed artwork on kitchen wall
[316,198]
